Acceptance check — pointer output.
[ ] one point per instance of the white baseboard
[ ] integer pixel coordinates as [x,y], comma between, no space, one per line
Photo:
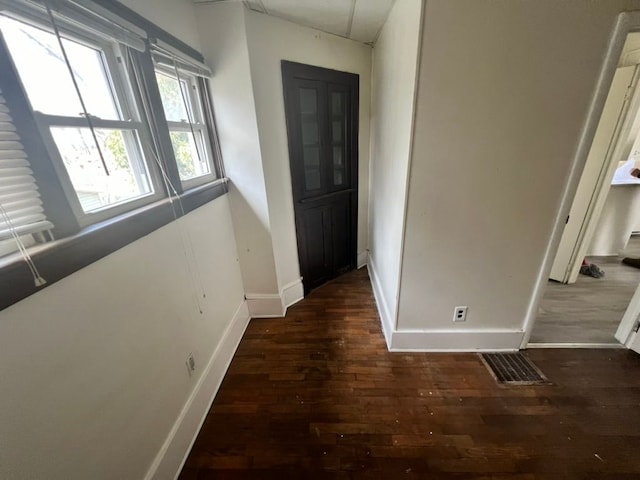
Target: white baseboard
[292,293]
[456,340]
[386,318]
[174,451]
[264,305]
[438,340]
[273,305]
[363,258]
[575,345]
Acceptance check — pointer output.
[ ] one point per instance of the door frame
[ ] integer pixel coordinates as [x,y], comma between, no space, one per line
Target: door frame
[291,70]
[565,269]
[627,333]
[626,22]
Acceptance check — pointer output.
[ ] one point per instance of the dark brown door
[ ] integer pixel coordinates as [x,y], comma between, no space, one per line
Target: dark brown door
[322,124]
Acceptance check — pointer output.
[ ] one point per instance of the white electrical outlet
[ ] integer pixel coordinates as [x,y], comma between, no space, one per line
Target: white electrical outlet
[191,364]
[460,314]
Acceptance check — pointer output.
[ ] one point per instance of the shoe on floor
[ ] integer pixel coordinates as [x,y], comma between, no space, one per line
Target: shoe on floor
[592,270]
[632,262]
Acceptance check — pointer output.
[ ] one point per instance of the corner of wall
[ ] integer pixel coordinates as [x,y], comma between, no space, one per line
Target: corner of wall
[264,305]
[363,258]
[292,293]
[399,340]
[275,305]
[387,319]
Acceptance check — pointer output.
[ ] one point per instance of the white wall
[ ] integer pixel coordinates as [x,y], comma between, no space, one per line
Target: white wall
[503,92]
[175,16]
[92,367]
[224,46]
[395,59]
[270,41]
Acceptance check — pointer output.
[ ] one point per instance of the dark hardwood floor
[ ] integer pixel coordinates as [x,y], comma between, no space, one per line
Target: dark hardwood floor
[317,395]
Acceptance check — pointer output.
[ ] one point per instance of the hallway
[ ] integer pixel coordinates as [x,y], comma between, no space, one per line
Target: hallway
[317,395]
[590,310]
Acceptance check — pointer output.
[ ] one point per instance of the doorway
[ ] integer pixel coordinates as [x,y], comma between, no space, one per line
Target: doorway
[321,108]
[588,312]
[580,310]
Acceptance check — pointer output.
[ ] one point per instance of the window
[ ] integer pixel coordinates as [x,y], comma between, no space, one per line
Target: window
[22,218]
[103,122]
[183,107]
[101,158]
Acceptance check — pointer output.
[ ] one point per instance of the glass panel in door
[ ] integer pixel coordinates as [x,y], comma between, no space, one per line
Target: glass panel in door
[309,125]
[338,137]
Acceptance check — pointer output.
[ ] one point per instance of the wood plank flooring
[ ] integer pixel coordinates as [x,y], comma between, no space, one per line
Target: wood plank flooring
[590,310]
[316,395]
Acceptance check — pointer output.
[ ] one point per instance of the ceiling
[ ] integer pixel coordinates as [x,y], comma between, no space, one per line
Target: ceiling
[359,20]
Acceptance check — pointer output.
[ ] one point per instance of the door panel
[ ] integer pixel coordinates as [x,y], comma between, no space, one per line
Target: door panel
[340,221]
[322,118]
[316,258]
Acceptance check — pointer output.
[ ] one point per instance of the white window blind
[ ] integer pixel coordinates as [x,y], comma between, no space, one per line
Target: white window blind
[19,196]
[165,55]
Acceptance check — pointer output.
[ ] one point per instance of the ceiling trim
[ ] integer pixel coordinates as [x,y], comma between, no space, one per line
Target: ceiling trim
[259,7]
[350,23]
[255,5]
[386,17]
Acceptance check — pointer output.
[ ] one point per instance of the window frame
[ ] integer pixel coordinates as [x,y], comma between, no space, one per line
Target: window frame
[78,244]
[198,112]
[126,101]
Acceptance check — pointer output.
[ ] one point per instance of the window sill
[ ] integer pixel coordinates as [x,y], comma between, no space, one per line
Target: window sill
[58,259]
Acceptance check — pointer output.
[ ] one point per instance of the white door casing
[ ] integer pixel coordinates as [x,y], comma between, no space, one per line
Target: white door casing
[595,181]
[626,23]
[627,331]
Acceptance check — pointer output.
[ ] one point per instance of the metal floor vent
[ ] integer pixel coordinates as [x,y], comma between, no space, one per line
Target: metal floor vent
[513,369]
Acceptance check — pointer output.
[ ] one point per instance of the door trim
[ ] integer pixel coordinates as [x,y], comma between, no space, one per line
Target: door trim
[595,180]
[626,22]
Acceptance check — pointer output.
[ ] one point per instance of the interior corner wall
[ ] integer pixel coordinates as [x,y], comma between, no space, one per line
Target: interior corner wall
[395,60]
[224,46]
[503,93]
[270,41]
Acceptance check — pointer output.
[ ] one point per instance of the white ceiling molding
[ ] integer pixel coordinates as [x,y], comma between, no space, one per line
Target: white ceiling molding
[368,19]
[359,20]
[255,5]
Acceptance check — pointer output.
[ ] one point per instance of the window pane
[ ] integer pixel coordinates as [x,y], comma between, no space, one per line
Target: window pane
[310,138]
[312,167]
[128,177]
[174,94]
[308,101]
[190,165]
[337,130]
[338,166]
[337,156]
[337,100]
[37,56]
[309,133]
